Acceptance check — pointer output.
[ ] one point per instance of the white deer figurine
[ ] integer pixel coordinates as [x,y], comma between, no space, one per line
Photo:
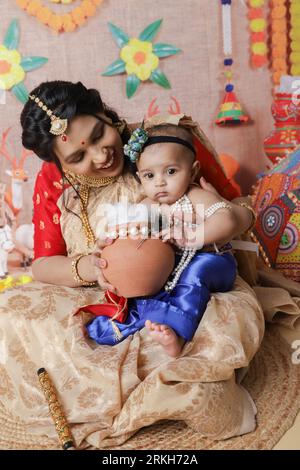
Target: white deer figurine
[22,235]
[14,194]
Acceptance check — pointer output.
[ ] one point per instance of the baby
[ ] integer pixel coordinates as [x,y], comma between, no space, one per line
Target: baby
[163,158]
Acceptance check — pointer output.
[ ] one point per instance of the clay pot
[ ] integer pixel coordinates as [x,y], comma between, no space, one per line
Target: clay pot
[286,134]
[137,272]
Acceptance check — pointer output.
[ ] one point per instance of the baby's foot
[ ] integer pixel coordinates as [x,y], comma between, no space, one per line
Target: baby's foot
[166,337]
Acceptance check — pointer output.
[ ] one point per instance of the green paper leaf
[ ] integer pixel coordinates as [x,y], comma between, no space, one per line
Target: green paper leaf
[119,36]
[31,63]
[11,39]
[158,77]
[132,84]
[148,33]
[165,50]
[113,69]
[20,92]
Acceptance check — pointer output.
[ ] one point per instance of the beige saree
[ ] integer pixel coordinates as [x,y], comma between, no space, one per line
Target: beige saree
[108,393]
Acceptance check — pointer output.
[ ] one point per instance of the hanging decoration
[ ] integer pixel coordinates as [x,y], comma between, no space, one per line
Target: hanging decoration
[294,11]
[13,67]
[66,22]
[230,110]
[279,29]
[139,57]
[258,38]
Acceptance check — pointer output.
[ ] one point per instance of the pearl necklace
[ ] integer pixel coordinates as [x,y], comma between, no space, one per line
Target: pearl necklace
[181,205]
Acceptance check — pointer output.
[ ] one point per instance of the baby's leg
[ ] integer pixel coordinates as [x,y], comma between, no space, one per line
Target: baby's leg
[166,337]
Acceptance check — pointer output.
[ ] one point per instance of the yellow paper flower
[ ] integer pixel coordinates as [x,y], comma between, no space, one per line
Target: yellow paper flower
[11,73]
[139,58]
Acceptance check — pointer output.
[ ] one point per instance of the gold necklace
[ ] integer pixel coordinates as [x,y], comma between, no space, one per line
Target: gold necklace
[90,181]
[87,182]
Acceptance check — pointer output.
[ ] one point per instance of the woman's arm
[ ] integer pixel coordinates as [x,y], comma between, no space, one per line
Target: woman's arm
[59,270]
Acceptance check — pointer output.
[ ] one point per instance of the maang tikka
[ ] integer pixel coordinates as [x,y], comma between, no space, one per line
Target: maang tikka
[58,125]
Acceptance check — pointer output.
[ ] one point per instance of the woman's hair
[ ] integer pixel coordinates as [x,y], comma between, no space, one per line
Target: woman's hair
[66,100]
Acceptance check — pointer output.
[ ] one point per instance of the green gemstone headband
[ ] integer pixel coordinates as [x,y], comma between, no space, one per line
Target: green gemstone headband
[140,139]
[58,125]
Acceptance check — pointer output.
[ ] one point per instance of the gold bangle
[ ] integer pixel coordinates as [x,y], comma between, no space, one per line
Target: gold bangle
[77,278]
[254,215]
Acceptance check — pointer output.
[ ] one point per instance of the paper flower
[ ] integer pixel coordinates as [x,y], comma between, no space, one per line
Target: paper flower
[12,67]
[11,72]
[139,58]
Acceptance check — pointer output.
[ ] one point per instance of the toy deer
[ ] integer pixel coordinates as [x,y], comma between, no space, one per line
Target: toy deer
[14,195]
[22,235]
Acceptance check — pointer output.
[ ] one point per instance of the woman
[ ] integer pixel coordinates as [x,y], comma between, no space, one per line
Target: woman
[108,393]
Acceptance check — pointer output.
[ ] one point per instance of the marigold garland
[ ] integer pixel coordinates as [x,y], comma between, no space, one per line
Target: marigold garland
[258,38]
[295,37]
[60,23]
[279,39]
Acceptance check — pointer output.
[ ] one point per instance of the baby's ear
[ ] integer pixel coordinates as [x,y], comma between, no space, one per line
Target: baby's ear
[138,176]
[195,170]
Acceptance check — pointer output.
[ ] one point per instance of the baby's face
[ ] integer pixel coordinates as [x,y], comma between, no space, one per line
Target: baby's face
[166,171]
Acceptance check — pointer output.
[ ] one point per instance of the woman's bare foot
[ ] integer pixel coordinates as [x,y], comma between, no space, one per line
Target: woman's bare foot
[166,337]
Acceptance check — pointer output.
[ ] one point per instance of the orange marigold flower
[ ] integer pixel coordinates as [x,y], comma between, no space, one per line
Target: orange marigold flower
[279,39]
[55,22]
[278,12]
[279,26]
[279,64]
[22,3]
[255,13]
[44,15]
[88,8]
[258,60]
[78,16]
[278,52]
[258,37]
[276,77]
[33,7]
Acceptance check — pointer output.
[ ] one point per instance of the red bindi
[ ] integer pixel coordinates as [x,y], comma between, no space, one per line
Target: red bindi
[82,142]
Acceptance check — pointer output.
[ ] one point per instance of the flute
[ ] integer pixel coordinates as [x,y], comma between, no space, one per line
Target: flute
[56,411]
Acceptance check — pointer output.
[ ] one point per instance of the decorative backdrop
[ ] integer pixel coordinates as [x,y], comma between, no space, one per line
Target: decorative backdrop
[195,73]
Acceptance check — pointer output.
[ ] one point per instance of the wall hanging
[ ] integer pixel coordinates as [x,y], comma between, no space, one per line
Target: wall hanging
[230,111]
[139,57]
[67,21]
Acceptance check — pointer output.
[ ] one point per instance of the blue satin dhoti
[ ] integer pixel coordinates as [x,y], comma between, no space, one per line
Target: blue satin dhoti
[182,308]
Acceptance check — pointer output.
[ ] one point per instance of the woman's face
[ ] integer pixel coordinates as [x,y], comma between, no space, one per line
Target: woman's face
[93,147]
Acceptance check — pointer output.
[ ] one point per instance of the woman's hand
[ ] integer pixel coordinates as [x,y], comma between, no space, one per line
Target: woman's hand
[208,187]
[100,263]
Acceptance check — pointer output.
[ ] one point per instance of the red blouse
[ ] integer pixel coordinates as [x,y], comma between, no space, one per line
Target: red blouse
[48,239]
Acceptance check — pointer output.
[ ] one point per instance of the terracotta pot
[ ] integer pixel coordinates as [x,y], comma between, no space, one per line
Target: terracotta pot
[286,135]
[137,272]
